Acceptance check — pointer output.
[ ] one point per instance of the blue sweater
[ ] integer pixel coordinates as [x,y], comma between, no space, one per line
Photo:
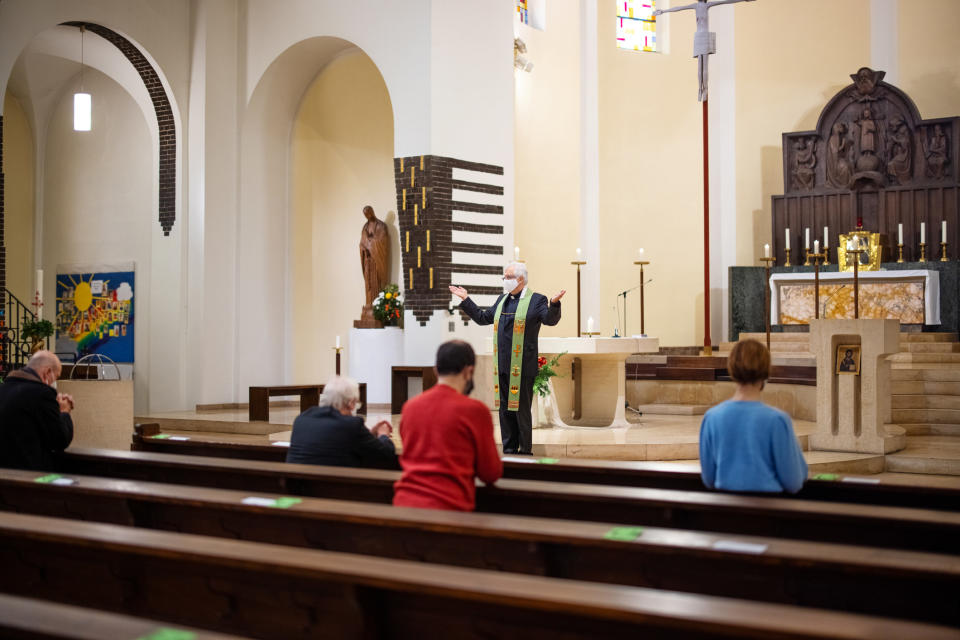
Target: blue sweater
[749,446]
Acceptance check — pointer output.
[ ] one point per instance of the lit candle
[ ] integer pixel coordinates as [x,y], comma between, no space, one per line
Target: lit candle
[816,246]
[640,251]
[590,324]
[766,251]
[578,254]
[516,253]
[787,246]
[338,342]
[900,233]
[826,236]
[943,232]
[923,232]
[806,238]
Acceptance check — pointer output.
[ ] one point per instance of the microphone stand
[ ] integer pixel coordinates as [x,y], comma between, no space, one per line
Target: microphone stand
[624,295]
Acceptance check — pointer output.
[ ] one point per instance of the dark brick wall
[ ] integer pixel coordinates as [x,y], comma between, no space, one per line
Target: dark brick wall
[425,206]
[165,125]
[3,245]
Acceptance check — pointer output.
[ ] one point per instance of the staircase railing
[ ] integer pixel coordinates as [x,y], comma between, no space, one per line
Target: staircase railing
[14,348]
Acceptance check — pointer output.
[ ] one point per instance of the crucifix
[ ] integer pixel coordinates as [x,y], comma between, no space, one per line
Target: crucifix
[704,43]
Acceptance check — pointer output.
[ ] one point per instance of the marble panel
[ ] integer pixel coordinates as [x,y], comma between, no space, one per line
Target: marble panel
[903,301]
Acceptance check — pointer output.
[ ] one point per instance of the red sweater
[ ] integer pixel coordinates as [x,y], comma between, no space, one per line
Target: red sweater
[447,442]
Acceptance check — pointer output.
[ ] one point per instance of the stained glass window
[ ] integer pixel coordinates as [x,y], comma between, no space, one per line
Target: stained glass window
[523,11]
[636,25]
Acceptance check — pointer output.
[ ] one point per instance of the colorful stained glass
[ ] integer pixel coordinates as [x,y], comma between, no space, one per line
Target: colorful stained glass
[523,11]
[636,25]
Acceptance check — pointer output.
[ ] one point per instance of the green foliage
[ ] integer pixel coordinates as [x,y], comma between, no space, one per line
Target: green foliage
[388,306]
[544,373]
[36,330]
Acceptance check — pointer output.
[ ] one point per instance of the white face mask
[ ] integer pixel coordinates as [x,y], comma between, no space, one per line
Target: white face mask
[510,285]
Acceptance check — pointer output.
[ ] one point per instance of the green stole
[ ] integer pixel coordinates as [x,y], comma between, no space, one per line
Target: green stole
[516,355]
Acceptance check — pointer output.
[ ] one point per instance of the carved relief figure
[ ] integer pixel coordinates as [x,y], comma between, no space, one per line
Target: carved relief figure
[374,254]
[868,160]
[839,168]
[935,152]
[899,151]
[804,159]
[866,80]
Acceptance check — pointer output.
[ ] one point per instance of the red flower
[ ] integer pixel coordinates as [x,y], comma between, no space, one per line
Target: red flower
[541,361]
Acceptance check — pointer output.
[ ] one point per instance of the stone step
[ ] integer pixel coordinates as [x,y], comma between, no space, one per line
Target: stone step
[917,336]
[925,358]
[930,429]
[931,454]
[925,401]
[674,409]
[776,337]
[922,387]
[930,347]
[935,416]
[938,374]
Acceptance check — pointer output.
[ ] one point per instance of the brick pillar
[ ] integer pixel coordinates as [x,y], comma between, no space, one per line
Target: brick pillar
[3,253]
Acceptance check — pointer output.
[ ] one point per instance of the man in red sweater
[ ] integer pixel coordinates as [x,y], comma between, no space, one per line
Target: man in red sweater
[447,439]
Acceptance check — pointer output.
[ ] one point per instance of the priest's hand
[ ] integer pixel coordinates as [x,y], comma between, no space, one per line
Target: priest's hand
[460,292]
[555,299]
[382,428]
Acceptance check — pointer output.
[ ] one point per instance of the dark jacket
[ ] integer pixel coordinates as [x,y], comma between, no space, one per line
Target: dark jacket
[539,312]
[323,435]
[32,428]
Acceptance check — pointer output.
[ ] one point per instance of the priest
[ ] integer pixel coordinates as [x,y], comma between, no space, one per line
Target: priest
[516,317]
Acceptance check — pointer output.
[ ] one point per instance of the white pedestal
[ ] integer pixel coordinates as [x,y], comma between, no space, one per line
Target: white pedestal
[372,353]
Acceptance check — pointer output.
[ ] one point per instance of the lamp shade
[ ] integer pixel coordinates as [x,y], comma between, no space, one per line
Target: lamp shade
[81,112]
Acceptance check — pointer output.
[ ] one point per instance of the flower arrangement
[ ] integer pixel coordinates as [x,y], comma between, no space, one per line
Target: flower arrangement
[545,371]
[388,306]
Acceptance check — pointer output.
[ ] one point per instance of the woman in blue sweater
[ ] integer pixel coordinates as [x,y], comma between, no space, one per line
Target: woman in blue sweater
[746,445]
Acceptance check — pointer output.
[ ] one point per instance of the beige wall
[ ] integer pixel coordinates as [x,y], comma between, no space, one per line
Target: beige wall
[18,167]
[342,159]
[929,62]
[547,151]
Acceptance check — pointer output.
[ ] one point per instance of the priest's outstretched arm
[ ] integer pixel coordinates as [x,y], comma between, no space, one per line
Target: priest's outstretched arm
[469,307]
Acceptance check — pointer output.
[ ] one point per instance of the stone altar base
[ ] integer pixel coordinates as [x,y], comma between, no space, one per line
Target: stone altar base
[854,411]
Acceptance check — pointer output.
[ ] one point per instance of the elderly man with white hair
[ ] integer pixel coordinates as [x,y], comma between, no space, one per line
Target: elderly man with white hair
[332,434]
[516,316]
[35,420]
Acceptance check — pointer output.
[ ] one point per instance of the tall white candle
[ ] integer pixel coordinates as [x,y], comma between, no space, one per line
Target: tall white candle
[590,324]
[923,232]
[640,251]
[806,238]
[766,251]
[787,246]
[338,342]
[516,253]
[943,232]
[578,254]
[826,236]
[816,246]
[899,233]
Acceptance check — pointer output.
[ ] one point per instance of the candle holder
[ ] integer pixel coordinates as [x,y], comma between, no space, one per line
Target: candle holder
[856,280]
[767,263]
[806,257]
[817,257]
[923,252]
[590,334]
[943,251]
[338,350]
[579,263]
[826,255]
[787,261]
[643,331]
[900,252]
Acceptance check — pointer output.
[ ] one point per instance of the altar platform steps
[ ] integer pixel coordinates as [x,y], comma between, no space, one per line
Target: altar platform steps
[788,345]
[929,454]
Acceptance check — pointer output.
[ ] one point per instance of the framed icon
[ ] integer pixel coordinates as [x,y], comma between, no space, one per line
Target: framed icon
[848,359]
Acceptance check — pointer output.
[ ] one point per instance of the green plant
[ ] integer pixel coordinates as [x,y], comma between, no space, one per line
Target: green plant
[36,330]
[388,306]
[546,371]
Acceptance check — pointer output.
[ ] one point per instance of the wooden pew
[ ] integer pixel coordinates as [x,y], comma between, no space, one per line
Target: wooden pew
[655,475]
[896,527]
[42,620]
[917,586]
[272,591]
[259,398]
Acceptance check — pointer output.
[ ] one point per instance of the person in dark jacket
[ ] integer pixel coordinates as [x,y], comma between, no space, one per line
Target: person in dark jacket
[332,434]
[35,420]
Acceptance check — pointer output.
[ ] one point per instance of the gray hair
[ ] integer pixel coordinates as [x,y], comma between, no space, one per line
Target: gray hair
[519,269]
[339,392]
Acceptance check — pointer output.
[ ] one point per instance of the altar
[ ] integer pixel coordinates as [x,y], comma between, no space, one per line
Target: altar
[590,390]
[910,296]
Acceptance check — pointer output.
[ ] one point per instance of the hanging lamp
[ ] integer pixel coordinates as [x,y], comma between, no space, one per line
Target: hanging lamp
[82,105]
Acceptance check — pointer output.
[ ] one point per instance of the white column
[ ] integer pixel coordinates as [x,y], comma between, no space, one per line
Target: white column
[884,41]
[589,164]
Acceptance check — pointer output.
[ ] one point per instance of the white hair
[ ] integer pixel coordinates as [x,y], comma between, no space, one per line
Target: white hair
[339,392]
[519,270]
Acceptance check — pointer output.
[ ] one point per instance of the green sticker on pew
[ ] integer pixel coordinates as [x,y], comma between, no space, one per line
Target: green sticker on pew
[826,476]
[286,502]
[161,436]
[624,534]
[548,460]
[164,633]
[48,478]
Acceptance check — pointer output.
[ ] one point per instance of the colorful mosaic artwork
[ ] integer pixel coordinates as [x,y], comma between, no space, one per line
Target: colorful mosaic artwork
[95,312]
[636,25]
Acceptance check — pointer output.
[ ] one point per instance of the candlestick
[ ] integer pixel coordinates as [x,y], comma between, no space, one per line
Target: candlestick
[826,251]
[787,262]
[579,263]
[856,281]
[817,257]
[643,331]
[806,257]
[338,349]
[943,250]
[900,252]
[923,252]
[767,263]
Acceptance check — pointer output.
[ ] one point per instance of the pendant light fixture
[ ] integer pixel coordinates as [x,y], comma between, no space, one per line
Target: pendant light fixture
[82,107]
